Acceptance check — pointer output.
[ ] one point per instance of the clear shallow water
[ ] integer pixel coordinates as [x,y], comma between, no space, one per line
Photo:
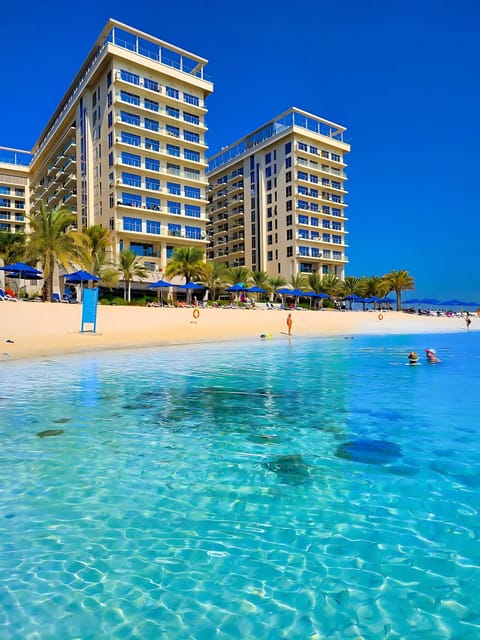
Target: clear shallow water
[282,489]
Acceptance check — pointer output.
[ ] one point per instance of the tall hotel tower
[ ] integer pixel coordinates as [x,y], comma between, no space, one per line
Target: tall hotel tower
[277,198]
[126,146]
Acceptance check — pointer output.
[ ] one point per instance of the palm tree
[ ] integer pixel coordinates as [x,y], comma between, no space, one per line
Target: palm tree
[260,279]
[351,286]
[237,275]
[297,280]
[12,247]
[50,242]
[274,283]
[315,281]
[130,268]
[375,286]
[399,281]
[331,285]
[92,245]
[187,262]
[214,277]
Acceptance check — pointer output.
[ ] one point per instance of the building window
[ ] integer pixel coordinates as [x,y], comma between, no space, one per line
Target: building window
[152,203]
[109,78]
[150,104]
[188,154]
[173,188]
[131,179]
[190,136]
[131,159]
[190,117]
[302,219]
[288,176]
[110,140]
[289,234]
[191,99]
[302,146]
[110,119]
[268,158]
[288,147]
[152,145]
[289,252]
[152,164]
[151,125]
[301,175]
[153,226]
[269,256]
[193,233]
[127,76]
[131,98]
[288,163]
[288,192]
[172,131]
[172,93]
[152,85]
[152,183]
[192,192]
[289,205]
[173,150]
[192,211]
[130,138]
[174,207]
[132,224]
[129,118]
[289,220]
[269,239]
[269,198]
[172,112]
[269,226]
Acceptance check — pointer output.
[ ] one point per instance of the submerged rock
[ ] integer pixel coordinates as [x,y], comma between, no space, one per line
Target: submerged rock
[369,451]
[50,432]
[291,469]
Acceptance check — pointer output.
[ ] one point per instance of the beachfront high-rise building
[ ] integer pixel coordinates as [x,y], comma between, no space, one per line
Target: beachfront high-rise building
[14,189]
[126,146]
[277,198]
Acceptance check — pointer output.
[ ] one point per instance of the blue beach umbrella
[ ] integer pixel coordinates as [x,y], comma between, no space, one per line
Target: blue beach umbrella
[77,277]
[237,287]
[160,284]
[22,270]
[80,277]
[189,287]
[256,289]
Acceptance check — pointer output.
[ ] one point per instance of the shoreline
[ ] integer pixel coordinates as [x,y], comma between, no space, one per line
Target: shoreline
[39,330]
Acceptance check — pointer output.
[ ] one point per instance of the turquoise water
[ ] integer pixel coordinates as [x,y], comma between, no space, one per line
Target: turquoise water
[297,489]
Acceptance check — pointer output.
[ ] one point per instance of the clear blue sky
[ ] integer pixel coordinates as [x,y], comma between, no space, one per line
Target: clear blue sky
[403,77]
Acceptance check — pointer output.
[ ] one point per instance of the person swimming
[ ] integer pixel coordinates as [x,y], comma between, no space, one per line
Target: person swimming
[432,356]
[413,357]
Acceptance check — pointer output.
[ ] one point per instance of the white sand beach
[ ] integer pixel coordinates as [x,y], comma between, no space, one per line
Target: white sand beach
[29,329]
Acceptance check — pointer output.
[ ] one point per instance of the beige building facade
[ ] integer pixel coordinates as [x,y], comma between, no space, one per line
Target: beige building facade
[277,198]
[14,189]
[126,146]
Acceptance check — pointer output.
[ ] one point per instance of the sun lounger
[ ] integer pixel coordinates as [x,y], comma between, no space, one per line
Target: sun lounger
[5,297]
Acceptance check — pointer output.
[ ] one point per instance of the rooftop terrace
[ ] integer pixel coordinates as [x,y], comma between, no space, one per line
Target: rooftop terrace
[292,118]
[16,157]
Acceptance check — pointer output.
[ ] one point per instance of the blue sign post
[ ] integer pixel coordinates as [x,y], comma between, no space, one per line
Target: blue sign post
[89,308]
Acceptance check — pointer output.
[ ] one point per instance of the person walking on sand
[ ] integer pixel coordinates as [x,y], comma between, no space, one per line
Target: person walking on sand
[468,322]
[289,324]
